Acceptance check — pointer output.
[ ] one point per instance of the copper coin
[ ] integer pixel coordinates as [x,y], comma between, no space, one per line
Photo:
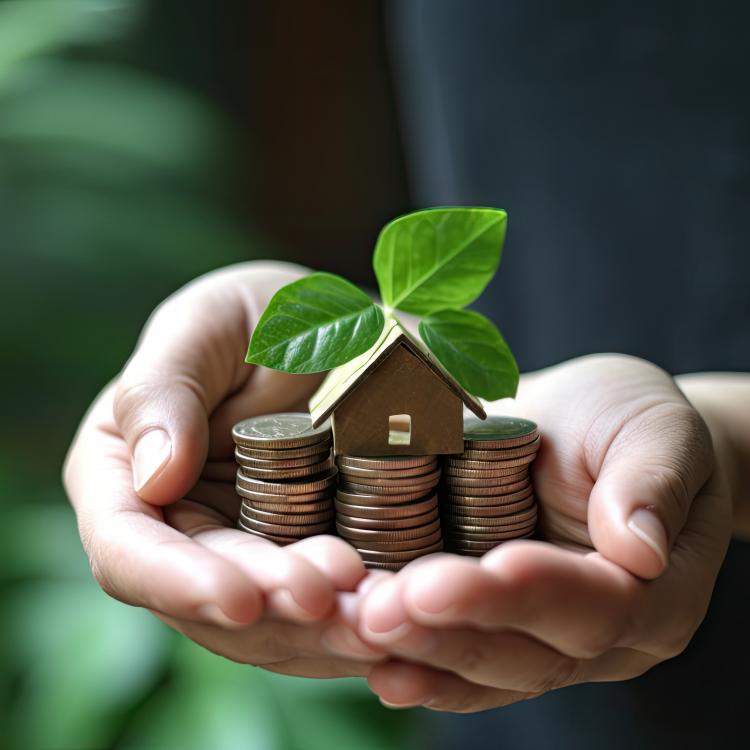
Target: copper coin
[478,482]
[500,536]
[380,500]
[504,499]
[387,476]
[297,530]
[283,540]
[509,519]
[456,468]
[385,463]
[281,474]
[268,497]
[500,491]
[371,489]
[282,454]
[402,510]
[501,430]
[374,556]
[384,534]
[476,490]
[376,545]
[486,533]
[454,471]
[470,461]
[298,508]
[285,463]
[388,524]
[285,430]
[381,479]
[505,454]
[287,519]
[393,567]
[475,511]
[303,487]
[498,458]
[472,546]
[501,481]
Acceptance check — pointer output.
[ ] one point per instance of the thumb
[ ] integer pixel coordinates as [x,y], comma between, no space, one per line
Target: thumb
[651,472]
[175,378]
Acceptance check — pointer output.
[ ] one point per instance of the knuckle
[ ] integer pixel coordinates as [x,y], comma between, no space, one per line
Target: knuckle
[470,658]
[564,672]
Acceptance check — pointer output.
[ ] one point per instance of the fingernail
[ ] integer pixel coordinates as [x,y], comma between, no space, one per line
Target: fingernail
[387,704]
[384,619]
[283,601]
[342,641]
[647,526]
[150,455]
[213,614]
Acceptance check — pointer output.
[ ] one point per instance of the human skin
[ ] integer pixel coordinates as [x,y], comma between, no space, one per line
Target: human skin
[150,476]
[593,602]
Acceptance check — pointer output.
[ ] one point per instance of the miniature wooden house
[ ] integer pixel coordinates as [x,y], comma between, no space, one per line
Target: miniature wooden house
[395,399]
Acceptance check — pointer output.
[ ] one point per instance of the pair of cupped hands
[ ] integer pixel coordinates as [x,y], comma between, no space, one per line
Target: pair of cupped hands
[634,518]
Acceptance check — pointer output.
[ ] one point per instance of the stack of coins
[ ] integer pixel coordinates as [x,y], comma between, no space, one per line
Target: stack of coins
[286,477]
[387,508]
[486,496]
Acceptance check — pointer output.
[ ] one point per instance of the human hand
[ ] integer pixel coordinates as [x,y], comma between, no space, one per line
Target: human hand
[636,522]
[150,475]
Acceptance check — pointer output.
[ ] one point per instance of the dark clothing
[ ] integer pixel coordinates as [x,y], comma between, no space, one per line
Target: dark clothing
[617,136]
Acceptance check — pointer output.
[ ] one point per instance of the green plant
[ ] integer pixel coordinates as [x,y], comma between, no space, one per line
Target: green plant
[430,263]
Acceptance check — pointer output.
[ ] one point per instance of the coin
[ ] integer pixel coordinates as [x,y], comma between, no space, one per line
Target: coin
[281,463]
[471,546]
[364,498]
[393,567]
[402,510]
[288,488]
[385,524]
[269,497]
[297,530]
[499,474]
[287,519]
[388,475]
[504,536]
[474,491]
[284,453]
[279,474]
[374,489]
[389,463]
[505,494]
[505,431]
[277,539]
[487,454]
[374,556]
[286,430]
[470,503]
[378,545]
[381,479]
[384,535]
[478,511]
[468,460]
[503,520]
[482,482]
[300,508]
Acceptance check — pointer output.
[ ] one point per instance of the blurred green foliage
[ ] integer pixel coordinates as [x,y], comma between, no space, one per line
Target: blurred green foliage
[116,187]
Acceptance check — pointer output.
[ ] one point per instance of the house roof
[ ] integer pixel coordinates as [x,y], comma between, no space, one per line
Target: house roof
[342,380]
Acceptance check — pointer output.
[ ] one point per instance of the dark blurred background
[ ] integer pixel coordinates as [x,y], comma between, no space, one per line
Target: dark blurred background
[141,144]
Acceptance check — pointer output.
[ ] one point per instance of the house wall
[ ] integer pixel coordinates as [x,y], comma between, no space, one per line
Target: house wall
[401,384]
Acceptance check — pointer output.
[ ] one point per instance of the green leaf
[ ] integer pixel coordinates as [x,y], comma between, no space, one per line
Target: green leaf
[438,258]
[315,324]
[473,351]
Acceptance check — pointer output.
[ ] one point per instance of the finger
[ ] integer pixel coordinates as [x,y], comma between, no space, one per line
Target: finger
[136,557]
[578,605]
[505,660]
[185,362]
[295,589]
[334,558]
[402,685]
[644,488]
